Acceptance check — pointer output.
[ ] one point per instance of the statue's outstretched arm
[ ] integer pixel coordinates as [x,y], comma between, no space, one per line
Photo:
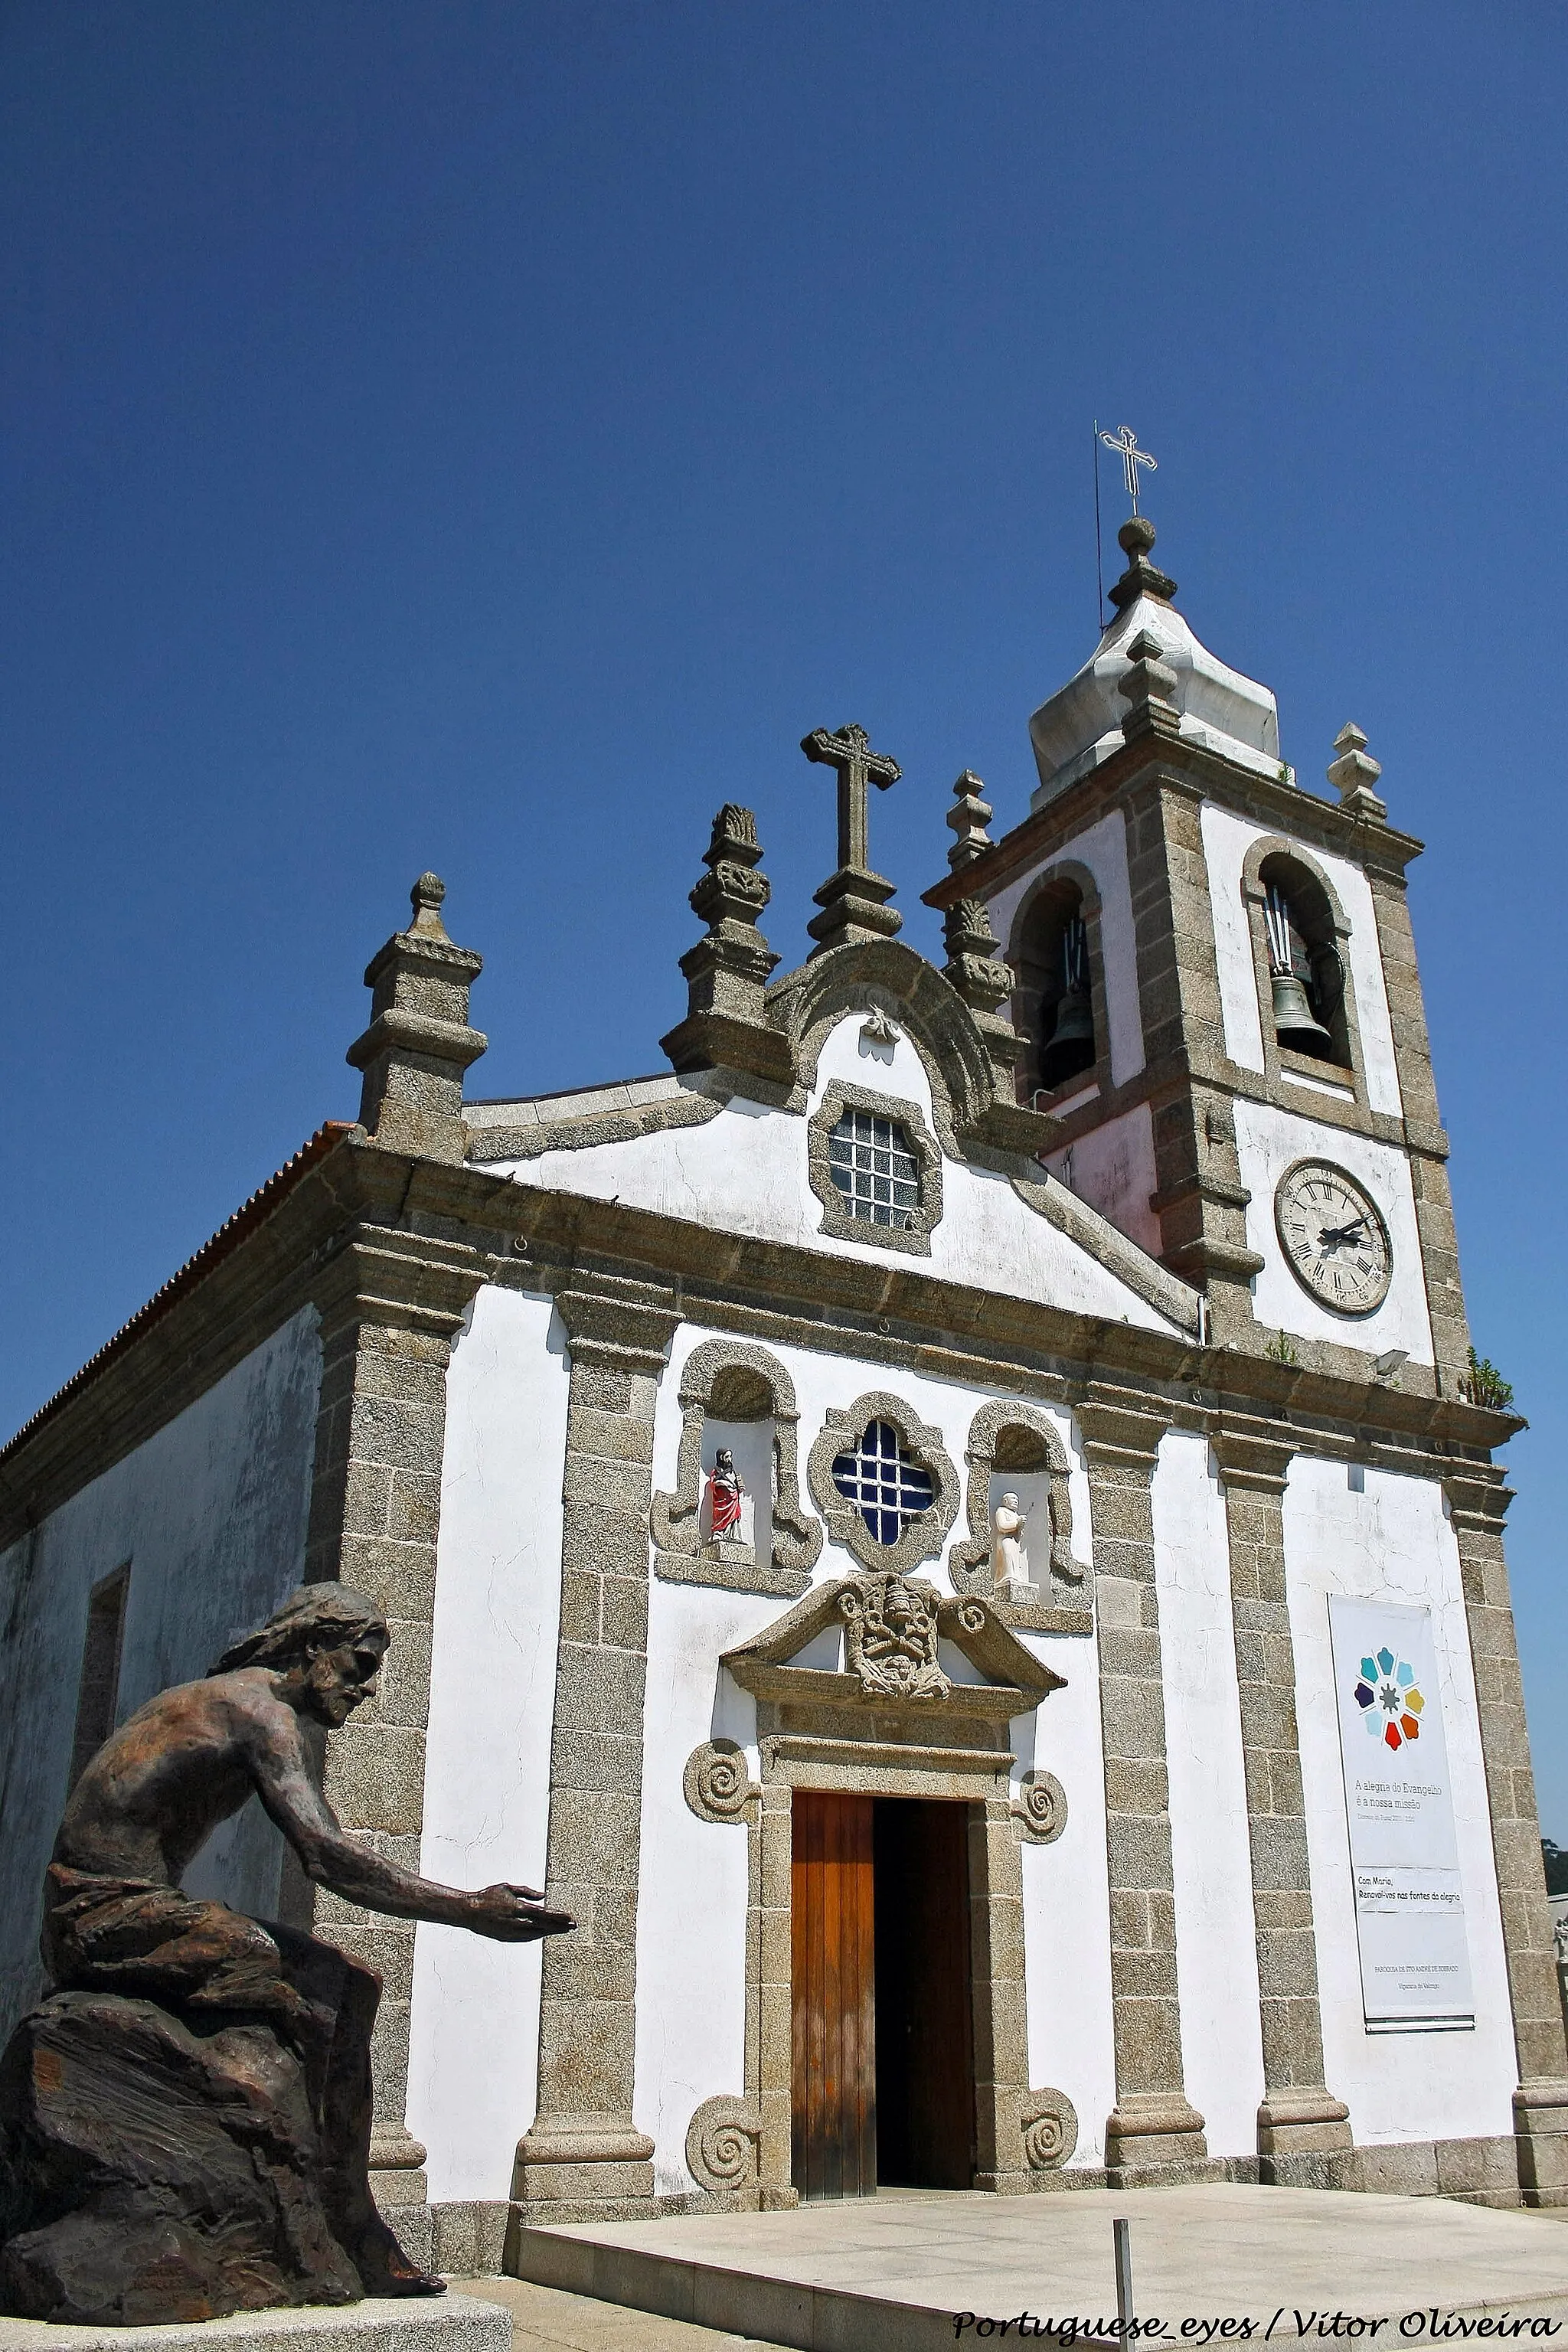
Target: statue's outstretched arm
[287,1788]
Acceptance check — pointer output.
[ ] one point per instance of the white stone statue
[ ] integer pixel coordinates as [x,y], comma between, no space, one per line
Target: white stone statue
[1009,1567]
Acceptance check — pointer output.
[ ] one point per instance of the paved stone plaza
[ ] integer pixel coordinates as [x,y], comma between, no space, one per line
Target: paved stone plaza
[890,2274]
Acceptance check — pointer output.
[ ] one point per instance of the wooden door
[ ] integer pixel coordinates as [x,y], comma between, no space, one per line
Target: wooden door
[834,2077]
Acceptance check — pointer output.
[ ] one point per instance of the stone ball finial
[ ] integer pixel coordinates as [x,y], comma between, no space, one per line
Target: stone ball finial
[1142,578]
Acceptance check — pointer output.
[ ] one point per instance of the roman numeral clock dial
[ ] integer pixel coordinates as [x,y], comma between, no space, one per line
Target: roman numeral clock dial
[1334,1236]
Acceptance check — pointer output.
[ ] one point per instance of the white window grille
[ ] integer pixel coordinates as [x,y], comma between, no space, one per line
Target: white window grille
[884,1482]
[870,1162]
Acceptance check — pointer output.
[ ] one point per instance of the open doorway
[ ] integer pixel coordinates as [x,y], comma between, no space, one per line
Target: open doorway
[883,2065]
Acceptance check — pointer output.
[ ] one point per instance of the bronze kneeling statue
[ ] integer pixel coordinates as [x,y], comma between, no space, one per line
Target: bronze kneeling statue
[186,2120]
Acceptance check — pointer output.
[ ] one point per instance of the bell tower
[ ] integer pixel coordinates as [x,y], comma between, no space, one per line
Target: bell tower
[1215,976]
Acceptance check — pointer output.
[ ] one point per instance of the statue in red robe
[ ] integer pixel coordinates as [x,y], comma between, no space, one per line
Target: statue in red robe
[724,1493]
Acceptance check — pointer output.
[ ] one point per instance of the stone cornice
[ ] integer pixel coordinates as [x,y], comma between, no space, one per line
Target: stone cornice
[1185,767]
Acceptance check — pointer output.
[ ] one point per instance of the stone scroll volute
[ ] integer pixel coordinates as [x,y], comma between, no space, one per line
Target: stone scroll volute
[1050,2122]
[721,2150]
[717,1783]
[681,1555]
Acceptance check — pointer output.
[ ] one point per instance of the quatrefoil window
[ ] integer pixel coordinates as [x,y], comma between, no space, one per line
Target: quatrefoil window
[883,1480]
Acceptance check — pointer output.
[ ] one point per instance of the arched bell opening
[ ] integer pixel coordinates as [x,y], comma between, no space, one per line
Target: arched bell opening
[1306,973]
[1054,1005]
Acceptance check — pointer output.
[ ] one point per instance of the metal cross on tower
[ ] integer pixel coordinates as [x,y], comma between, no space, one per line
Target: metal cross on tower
[1125,445]
[849,750]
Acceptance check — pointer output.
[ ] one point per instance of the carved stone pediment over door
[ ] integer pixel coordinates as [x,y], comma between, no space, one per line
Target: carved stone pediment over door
[889,1682]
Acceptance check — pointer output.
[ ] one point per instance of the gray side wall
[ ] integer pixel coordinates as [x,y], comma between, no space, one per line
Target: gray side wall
[211,1514]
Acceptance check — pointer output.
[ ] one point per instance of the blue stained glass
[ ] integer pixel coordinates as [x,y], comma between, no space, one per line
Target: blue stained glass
[1385,1661]
[1406,1674]
[1369,1670]
[885,1484]
[1363,1695]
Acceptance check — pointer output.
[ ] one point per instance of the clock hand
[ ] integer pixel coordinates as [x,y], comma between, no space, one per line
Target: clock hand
[1332,1235]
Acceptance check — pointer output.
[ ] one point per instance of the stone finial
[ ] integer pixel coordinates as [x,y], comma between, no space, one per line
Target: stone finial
[1141,578]
[1148,686]
[1355,774]
[726,1024]
[969,817]
[973,964]
[418,1043]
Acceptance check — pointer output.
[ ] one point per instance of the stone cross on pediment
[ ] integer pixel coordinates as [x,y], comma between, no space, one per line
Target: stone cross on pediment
[849,750]
[854,899]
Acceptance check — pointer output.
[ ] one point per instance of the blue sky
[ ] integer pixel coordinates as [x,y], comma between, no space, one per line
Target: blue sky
[489,436]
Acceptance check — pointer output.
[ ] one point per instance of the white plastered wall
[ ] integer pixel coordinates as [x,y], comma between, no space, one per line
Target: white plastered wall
[1393,1540]
[692,1914]
[744,1172]
[1268,1142]
[1217,1957]
[474,2038]
[1103,850]
[1226,840]
[210,1512]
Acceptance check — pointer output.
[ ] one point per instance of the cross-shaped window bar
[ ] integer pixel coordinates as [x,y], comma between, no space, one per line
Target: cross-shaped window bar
[888,1487]
[870,1162]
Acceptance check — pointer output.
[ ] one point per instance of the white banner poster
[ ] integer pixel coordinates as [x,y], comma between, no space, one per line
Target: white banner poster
[1409,1904]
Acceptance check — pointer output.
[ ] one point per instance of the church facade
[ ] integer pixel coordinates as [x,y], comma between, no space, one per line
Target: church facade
[955,1530]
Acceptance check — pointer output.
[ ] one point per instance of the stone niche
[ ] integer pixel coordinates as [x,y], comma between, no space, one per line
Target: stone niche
[1015,1448]
[739,1397]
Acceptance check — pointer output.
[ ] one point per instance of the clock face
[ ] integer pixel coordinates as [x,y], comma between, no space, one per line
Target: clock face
[1333,1237]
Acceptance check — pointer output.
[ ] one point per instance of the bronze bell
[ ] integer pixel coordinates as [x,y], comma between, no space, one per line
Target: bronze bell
[1295,1023]
[1071,1045]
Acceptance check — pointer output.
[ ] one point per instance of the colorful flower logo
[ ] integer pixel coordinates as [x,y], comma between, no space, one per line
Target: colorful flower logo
[1386,1690]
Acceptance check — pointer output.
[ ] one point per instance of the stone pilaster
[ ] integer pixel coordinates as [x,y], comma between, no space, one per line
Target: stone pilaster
[1300,2124]
[1425,1142]
[581,2158]
[1478,1500]
[390,1304]
[1200,1199]
[1153,2133]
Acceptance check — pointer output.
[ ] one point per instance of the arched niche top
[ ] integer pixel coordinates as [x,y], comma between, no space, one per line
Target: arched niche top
[1269,848]
[1325,927]
[1007,1435]
[1070,871]
[735,1380]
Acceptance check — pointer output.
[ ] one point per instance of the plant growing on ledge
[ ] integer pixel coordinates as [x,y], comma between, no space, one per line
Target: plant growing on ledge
[1282,1351]
[1486,1385]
